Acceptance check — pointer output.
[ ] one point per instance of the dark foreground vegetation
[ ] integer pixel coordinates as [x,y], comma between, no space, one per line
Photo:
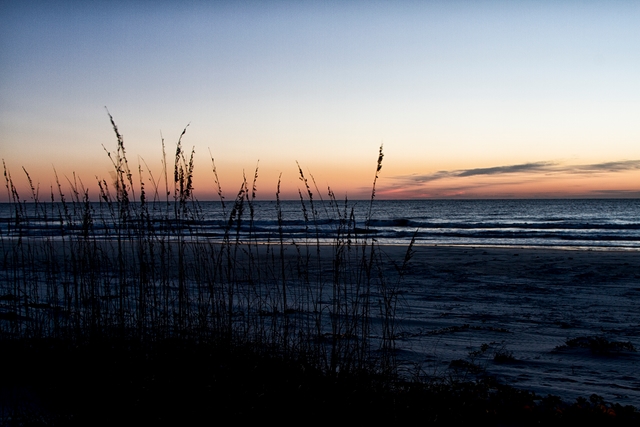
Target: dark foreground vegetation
[124,316]
[183,382]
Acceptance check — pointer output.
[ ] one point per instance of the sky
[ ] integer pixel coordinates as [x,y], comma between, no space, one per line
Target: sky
[469,99]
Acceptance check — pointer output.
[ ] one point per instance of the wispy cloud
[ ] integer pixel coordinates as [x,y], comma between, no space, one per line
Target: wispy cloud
[620,166]
[524,168]
[498,170]
[615,193]
[469,182]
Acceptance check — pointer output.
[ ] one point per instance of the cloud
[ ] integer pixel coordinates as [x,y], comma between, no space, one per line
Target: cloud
[426,178]
[524,168]
[620,166]
[498,170]
[615,193]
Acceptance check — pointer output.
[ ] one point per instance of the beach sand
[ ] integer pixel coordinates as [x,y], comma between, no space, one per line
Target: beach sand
[559,322]
[525,304]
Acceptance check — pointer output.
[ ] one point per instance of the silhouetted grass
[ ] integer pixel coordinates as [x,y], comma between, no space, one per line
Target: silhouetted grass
[127,311]
[177,381]
[131,266]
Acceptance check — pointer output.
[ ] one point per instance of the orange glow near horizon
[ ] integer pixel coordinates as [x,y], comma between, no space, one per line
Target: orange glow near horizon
[561,185]
[354,182]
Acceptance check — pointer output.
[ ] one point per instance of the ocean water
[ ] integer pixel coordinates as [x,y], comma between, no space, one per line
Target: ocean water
[602,224]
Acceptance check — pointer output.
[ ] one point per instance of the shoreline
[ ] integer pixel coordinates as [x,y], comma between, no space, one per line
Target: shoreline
[325,242]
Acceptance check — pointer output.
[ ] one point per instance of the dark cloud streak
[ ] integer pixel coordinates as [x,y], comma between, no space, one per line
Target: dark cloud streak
[523,168]
[535,167]
[620,166]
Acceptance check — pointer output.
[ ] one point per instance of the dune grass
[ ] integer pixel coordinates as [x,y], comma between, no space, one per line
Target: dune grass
[127,311]
[130,266]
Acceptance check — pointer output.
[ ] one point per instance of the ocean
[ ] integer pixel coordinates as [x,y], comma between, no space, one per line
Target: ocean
[602,224]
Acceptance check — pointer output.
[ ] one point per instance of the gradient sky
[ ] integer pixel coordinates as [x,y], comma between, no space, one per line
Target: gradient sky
[471,99]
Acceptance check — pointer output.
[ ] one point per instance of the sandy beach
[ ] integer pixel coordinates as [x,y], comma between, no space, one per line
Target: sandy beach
[526,303]
[559,322]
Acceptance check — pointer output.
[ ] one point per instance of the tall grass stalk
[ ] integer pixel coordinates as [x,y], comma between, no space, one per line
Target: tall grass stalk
[132,266]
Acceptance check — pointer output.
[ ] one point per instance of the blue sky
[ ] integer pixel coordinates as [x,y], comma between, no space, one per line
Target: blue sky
[446,86]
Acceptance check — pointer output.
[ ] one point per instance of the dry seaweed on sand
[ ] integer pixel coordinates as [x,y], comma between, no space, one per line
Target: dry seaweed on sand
[598,345]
